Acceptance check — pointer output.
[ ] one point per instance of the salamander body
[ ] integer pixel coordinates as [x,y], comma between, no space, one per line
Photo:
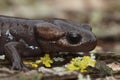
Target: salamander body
[20,37]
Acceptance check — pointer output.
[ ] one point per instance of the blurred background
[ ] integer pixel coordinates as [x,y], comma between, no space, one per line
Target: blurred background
[103,15]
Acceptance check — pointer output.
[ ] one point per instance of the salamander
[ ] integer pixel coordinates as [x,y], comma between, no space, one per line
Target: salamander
[22,37]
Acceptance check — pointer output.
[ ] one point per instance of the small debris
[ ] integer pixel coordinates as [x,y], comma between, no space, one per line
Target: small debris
[5,72]
[60,71]
[2,57]
[31,75]
[81,77]
[103,69]
[107,78]
[58,59]
[114,66]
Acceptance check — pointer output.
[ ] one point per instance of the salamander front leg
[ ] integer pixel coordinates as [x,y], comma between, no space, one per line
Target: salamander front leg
[14,56]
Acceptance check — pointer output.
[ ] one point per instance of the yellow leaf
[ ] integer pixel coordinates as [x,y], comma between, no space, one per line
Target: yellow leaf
[33,64]
[46,60]
[81,63]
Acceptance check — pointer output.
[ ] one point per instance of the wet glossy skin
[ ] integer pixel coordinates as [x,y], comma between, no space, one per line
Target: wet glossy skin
[27,37]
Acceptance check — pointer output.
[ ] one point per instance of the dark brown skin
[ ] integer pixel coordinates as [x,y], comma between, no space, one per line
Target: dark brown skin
[21,37]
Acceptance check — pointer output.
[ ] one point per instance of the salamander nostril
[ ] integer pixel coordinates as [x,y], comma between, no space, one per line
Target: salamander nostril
[73,38]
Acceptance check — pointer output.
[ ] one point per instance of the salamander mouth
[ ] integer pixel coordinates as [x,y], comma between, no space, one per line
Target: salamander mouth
[79,47]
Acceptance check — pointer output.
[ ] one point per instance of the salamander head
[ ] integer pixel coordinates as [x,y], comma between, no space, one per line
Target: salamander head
[65,36]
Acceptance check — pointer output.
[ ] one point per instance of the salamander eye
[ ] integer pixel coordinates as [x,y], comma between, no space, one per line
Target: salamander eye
[73,38]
